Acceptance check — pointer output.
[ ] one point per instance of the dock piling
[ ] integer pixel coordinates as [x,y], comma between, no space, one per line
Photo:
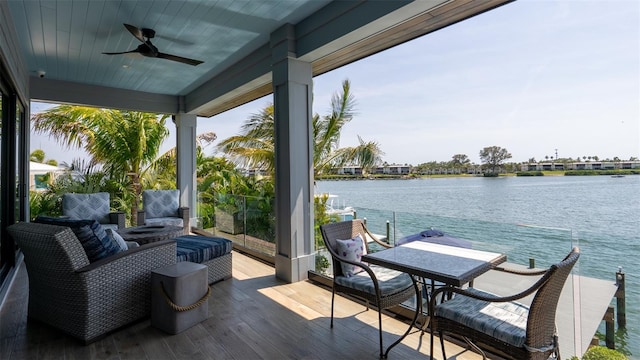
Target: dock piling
[389,232]
[620,299]
[609,329]
[532,263]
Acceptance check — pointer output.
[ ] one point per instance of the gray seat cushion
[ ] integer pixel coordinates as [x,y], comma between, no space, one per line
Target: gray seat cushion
[506,321]
[174,221]
[390,281]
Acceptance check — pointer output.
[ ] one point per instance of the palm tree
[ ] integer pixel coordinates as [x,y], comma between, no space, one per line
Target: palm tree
[123,142]
[254,147]
[161,174]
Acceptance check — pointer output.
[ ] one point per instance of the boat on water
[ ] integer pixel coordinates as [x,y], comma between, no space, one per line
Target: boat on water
[617,176]
[333,207]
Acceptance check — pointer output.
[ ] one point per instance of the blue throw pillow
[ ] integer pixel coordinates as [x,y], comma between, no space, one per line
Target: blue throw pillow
[95,241]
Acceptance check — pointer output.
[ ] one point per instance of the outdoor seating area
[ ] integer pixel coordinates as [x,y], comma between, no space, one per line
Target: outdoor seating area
[86,299]
[87,281]
[263,318]
[258,306]
[519,323]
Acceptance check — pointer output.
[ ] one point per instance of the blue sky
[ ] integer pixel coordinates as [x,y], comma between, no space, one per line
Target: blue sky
[531,77]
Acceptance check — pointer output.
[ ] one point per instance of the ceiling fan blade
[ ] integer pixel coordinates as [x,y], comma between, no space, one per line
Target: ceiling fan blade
[135,32]
[119,53]
[179,59]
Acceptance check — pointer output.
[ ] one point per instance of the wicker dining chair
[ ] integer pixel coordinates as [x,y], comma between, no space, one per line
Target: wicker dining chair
[378,286]
[515,330]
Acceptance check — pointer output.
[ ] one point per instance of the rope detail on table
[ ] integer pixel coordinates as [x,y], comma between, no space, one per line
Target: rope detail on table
[179,308]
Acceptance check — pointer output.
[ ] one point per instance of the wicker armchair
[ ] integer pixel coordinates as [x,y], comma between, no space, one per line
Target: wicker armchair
[513,329]
[381,287]
[162,207]
[86,300]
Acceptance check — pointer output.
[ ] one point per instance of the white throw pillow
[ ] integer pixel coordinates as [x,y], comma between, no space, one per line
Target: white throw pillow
[351,249]
[132,244]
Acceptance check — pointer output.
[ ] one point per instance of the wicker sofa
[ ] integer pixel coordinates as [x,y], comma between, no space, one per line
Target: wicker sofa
[86,300]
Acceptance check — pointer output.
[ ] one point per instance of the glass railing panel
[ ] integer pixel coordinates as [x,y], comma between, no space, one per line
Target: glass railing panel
[378,222]
[260,225]
[247,221]
[607,270]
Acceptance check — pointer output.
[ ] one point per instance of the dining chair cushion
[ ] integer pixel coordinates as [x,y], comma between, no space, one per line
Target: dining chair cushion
[390,281]
[506,321]
[351,249]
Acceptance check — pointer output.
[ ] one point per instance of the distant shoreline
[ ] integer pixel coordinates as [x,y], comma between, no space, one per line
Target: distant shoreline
[524,173]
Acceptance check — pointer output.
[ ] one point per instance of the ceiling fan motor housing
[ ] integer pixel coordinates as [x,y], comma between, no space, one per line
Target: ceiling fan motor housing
[148,33]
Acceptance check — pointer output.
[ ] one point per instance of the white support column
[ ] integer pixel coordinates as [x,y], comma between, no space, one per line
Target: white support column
[292,88]
[186,164]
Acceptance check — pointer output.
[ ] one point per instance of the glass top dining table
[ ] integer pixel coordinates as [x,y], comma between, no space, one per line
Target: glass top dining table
[453,266]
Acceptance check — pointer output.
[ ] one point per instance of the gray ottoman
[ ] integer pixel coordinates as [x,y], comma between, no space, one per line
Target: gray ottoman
[179,296]
[214,252]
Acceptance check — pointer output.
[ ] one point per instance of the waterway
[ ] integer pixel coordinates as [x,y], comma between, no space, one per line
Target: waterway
[524,217]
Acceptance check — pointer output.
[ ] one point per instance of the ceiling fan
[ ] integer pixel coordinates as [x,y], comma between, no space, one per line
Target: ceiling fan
[148,49]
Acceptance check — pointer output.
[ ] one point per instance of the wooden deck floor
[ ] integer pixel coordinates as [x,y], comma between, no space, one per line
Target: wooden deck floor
[251,316]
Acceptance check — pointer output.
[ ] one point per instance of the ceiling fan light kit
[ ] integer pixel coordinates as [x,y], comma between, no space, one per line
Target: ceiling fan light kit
[148,49]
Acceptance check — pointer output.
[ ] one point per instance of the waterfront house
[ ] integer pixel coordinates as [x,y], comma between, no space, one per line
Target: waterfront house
[580,165]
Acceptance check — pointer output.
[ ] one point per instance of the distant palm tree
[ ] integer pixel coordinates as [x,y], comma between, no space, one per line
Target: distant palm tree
[254,147]
[123,142]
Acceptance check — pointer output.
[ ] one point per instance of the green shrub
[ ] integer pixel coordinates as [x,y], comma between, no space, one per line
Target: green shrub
[603,353]
[322,264]
[529,173]
[600,172]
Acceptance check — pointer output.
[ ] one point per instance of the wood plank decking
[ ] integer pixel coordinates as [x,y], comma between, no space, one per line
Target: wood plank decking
[251,316]
[255,316]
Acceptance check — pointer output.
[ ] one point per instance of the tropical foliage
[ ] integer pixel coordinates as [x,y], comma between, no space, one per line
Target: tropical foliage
[254,147]
[38,156]
[123,143]
[79,178]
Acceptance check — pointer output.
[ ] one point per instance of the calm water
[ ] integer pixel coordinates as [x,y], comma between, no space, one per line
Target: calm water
[524,217]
